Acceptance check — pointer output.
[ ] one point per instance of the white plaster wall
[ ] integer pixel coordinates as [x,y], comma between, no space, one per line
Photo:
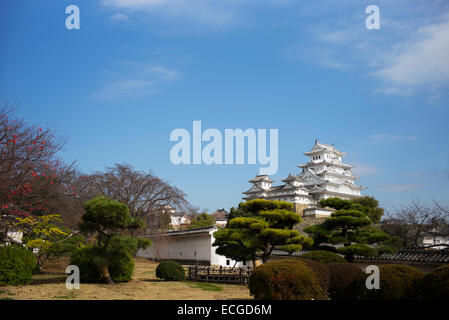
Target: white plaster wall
[180,247]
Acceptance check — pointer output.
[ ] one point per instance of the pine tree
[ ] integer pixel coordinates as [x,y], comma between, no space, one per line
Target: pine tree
[256,228]
[110,219]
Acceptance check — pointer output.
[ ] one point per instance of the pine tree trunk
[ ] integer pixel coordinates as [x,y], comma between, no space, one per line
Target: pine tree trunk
[253,257]
[105,274]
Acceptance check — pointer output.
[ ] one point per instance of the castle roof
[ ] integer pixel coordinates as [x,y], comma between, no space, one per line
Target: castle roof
[330,163]
[261,178]
[320,147]
[292,177]
[220,214]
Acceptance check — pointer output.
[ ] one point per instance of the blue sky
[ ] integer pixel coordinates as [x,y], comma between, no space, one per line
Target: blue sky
[138,69]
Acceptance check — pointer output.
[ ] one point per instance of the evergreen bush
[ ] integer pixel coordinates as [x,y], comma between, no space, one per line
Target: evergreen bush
[323,256]
[286,279]
[17,265]
[170,271]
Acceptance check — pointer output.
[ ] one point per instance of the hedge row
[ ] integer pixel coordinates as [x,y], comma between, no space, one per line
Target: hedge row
[305,279]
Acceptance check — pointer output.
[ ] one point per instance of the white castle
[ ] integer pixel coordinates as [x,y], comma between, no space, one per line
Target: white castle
[324,176]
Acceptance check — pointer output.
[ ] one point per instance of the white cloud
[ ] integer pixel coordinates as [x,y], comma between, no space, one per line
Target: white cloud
[407,55]
[200,11]
[119,17]
[423,62]
[164,73]
[135,80]
[216,13]
[130,88]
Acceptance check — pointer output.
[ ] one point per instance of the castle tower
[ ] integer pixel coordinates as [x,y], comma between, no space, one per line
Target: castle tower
[326,175]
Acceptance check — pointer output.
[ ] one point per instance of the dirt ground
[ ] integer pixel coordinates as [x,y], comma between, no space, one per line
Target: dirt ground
[144,286]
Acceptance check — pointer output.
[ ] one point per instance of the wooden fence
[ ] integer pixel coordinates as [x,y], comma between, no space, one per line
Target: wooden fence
[219,274]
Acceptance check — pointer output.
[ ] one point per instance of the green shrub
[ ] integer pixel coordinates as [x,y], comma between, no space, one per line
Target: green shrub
[122,270]
[321,271]
[434,285]
[342,276]
[16,265]
[170,271]
[323,256]
[357,249]
[286,279]
[396,283]
[90,260]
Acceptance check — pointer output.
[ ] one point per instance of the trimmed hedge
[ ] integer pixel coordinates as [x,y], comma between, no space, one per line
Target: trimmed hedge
[342,276]
[396,283]
[89,261]
[170,271]
[286,279]
[16,266]
[321,271]
[434,285]
[323,256]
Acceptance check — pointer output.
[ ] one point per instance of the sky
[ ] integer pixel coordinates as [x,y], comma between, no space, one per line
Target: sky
[136,70]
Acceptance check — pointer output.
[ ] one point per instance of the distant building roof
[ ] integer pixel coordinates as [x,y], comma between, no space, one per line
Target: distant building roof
[262,177]
[195,231]
[220,214]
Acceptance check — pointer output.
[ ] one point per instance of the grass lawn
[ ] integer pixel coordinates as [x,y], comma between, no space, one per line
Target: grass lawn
[143,286]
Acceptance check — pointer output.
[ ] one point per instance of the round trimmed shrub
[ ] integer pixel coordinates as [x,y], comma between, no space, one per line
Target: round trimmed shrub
[342,276]
[286,279]
[396,283]
[89,260]
[434,285]
[170,271]
[17,265]
[323,256]
[321,271]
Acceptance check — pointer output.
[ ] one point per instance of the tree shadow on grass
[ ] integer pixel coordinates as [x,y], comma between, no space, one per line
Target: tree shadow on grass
[49,279]
[153,280]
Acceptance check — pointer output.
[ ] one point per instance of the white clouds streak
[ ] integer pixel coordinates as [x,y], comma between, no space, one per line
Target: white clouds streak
[136,81]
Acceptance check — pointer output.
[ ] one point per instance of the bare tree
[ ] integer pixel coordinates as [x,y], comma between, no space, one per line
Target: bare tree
[418,218]
[144,193]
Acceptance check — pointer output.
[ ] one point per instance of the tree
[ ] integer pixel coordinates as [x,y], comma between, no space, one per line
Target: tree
[368,205]
[110,219]
[256,228]
[33,181]
[201,221]
[43,234]
[407,223]
[143,193]
[349,226]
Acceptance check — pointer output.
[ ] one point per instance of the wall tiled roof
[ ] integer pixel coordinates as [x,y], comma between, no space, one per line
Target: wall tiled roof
[402,255]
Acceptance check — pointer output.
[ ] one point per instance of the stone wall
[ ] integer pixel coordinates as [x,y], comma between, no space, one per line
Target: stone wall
[299,208]
[308,221]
